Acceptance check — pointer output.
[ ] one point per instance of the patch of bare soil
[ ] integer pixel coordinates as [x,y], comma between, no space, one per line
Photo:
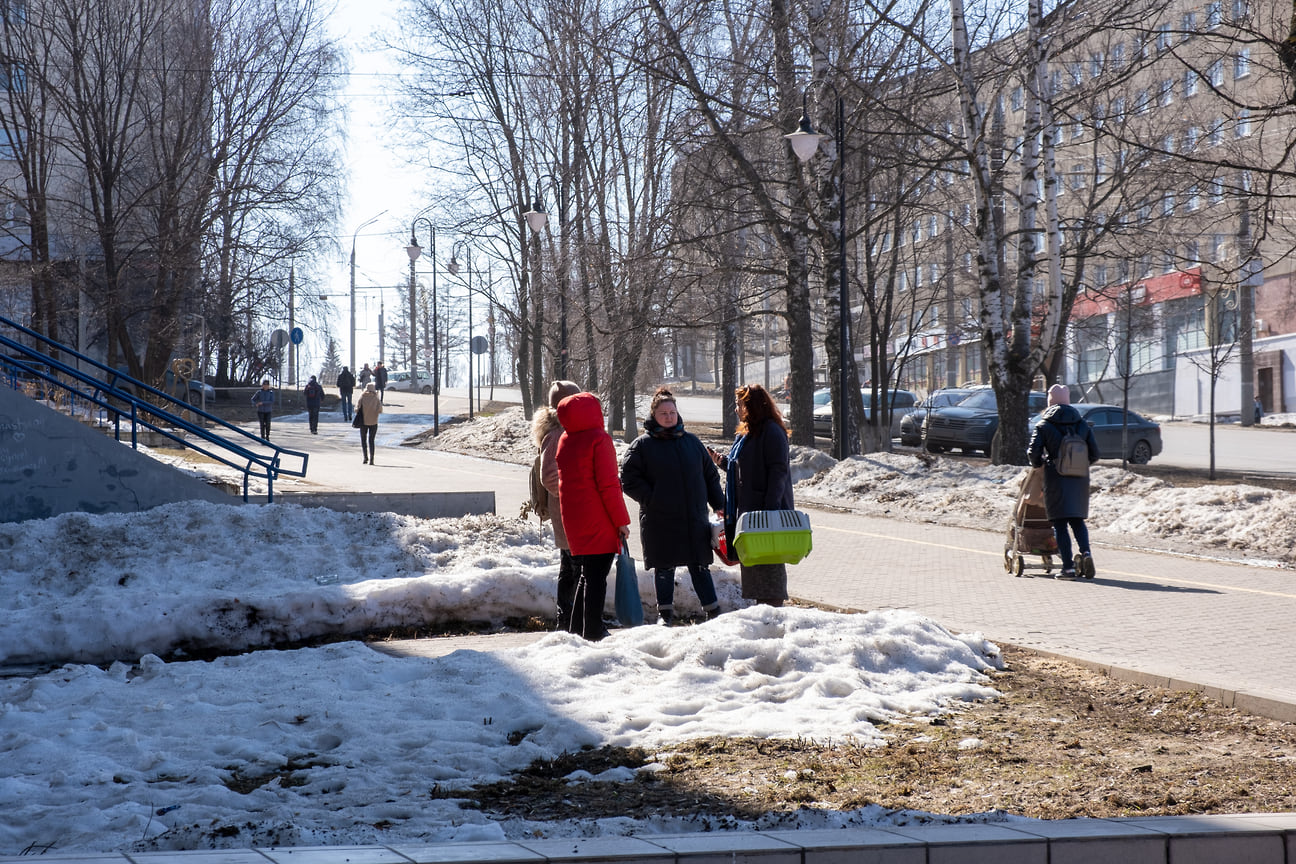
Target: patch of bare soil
[1062,742]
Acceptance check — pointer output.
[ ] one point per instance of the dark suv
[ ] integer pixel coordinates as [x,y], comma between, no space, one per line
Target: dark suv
[912,424]
[972,423]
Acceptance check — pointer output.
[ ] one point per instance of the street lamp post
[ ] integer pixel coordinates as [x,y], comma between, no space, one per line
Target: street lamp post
[536,219]
[353,285]
[805,141]
[414,250]
[453,267]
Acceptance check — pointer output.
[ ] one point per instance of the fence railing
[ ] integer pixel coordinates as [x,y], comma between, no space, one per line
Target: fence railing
[94,388]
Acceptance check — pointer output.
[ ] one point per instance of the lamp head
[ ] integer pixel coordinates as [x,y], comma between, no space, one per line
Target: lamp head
[413,250]
[536,218]
[804,141]
[453,266]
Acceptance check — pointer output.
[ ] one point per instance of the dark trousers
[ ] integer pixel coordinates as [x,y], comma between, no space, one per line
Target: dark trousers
[367,435]
[566,592]
[591,593]
[312,414]
[1064,540]
[347,407]
[703,585]
[264,417]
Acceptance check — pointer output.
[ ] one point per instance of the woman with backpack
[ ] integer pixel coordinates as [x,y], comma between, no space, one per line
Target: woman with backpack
[1056,444]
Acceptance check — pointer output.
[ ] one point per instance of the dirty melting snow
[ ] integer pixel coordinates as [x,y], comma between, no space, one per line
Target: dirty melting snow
[119,750]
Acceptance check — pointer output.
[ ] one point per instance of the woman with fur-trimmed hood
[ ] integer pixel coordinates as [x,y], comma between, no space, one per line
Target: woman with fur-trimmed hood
[545,431]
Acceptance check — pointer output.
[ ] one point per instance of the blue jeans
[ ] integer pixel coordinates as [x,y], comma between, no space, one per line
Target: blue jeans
[347,407]
[1064,540]
[703,586]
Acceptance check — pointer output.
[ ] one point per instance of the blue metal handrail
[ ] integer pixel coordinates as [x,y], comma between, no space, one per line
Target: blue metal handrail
[127,392]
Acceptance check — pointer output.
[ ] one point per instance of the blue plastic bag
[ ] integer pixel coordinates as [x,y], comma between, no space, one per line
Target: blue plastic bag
[629,605]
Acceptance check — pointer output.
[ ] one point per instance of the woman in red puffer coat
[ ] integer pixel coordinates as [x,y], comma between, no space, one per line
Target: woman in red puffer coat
[593,510]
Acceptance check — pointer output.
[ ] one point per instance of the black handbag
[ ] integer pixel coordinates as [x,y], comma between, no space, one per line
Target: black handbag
[358,420]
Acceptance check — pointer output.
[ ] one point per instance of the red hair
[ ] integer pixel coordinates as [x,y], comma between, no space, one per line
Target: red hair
[759,408]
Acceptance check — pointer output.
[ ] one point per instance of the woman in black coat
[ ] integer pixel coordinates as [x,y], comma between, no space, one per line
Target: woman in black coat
[758,476]
[1066,499]
[670,474]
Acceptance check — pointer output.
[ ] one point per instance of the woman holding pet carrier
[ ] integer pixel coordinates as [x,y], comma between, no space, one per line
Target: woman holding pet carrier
[758,476]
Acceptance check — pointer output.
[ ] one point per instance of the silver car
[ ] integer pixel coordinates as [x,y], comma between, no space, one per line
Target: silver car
[902,402]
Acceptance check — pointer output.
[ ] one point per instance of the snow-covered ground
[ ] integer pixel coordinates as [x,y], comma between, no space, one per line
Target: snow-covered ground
[117,749]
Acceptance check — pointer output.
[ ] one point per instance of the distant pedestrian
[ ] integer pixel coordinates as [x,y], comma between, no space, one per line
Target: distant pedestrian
[346,385]
[366,375]
[264,400]
[314,394]
[758,476]
[546,431]
[1066,498]
[670,474]
[1259,410]
[594,514]
[369,408]
[380,379]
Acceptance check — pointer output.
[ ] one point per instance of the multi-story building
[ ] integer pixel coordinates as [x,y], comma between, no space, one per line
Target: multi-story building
[1170,142]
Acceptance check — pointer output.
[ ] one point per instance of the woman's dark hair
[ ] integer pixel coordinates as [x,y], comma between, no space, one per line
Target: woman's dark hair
[662,395]
[760,408]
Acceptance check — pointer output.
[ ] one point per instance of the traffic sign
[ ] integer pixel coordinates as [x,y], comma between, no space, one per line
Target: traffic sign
[279,338]
[297,336]
[479,345]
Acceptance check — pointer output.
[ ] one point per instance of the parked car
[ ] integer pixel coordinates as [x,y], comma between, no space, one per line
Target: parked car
[401,381]
[911,424]
[821,397]
[1107,420]
[971,424]
[902,401]
[196,393]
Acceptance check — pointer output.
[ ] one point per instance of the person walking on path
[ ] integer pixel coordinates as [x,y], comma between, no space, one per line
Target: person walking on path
[546,432]
[346,386]
[758,476]
[670,474]
[1066,498]
[366,375]
[592,507]
[264,400]
[380,379]
[367,411]
[314,394]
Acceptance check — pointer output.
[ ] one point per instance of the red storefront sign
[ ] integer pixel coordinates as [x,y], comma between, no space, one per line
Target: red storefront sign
[1147,292]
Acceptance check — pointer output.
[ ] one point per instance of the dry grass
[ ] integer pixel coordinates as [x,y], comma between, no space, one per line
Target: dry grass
[1062,742]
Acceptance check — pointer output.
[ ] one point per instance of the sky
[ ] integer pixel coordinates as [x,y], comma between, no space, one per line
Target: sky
[379,183]
[107,747]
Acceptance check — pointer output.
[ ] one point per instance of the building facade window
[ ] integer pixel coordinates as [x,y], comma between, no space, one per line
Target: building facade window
[1242,64]
[1163,41]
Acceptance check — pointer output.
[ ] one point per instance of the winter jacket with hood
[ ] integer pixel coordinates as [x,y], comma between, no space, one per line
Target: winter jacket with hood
[1064,497]
[589,490]
[670,474]
[545,432]
[369,407]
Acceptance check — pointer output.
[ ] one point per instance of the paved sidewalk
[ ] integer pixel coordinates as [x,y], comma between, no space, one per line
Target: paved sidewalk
[1228,629]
